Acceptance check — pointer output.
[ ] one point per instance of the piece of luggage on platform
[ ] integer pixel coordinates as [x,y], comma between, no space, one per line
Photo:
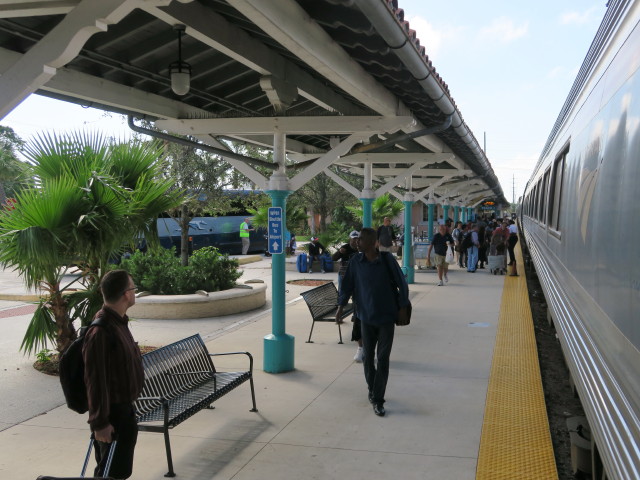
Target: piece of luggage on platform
[497,264]
[86,462]
[301,263]
[327,263]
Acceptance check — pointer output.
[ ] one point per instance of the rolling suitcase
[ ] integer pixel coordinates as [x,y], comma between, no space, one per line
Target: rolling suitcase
[327,263]
[301,263]
[86,462]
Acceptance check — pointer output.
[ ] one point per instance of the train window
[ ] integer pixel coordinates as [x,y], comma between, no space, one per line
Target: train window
[545,196]
[537,204]
[556,190]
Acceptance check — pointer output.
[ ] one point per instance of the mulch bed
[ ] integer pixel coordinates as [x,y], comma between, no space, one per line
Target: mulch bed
[308,283]
[50,367]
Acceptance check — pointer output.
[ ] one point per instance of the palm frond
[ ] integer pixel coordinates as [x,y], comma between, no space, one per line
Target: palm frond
[40,332]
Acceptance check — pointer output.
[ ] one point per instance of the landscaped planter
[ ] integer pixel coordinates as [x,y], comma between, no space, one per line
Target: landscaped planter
[215,304]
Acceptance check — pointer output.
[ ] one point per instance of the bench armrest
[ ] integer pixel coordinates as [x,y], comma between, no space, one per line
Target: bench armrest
[236,353]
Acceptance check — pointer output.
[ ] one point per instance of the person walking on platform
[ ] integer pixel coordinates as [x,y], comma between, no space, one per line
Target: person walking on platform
[245,228]
[113,376]
[457,238]
[513,240]
[472,251]
[482,246]
[370,279]
[316,250]
[344,254]
[440,243]
[386,236]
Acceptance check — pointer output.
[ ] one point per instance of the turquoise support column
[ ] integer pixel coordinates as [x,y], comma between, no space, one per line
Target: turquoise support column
[278,346]
[464,214]
[408,265]
[431,209]
[456,212]
[470,214]
[445,215]
[367,211]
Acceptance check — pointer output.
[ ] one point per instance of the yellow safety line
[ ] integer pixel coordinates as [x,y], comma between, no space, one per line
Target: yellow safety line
[515,442]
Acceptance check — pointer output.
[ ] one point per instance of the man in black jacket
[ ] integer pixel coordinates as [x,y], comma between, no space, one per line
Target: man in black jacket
[316,249]
[113,376]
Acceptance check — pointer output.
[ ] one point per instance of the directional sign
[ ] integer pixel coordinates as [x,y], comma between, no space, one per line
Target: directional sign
[276,235]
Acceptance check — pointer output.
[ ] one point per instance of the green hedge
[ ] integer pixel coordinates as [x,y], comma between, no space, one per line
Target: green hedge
[160,272]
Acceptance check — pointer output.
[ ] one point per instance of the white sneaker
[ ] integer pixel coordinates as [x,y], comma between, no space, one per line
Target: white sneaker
[359,355]
[440,283]
[322,271]
[310,271]
[446,278]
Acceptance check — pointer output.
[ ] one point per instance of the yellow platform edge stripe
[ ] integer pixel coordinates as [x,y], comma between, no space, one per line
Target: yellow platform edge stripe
[515,442]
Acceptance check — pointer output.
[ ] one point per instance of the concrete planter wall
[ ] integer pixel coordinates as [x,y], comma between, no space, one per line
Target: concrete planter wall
[227,302]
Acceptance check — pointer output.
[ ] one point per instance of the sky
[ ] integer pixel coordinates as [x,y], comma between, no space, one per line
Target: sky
[509,66]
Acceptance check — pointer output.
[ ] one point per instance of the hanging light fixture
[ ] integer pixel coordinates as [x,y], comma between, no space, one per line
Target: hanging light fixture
[180,71]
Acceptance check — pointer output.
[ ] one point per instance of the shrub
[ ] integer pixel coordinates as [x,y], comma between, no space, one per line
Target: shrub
[160,272]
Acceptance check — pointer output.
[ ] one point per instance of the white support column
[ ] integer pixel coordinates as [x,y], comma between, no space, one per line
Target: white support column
[279,180]
[59,47]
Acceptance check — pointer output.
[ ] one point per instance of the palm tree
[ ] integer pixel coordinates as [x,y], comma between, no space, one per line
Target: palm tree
[383,206]
[88,199]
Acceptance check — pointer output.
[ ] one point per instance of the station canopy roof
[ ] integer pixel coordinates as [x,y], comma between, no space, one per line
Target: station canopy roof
[347,81]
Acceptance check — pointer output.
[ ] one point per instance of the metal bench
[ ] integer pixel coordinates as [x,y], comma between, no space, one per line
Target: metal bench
[179,381]
[323,305]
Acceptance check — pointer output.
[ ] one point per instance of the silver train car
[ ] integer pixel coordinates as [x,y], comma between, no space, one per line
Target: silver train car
[580,217]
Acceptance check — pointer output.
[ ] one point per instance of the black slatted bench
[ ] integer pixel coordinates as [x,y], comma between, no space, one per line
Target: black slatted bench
[323,305]
[179,381]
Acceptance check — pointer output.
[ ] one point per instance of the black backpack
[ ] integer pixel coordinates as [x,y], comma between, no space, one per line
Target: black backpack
[71,368]
[467,241]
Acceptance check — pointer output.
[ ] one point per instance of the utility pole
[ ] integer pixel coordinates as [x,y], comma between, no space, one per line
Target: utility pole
[514,190]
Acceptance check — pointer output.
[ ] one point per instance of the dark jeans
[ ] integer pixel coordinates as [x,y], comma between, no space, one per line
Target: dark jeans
[316,258]
[123,419]
[382,337]
[513,239]
[462,258]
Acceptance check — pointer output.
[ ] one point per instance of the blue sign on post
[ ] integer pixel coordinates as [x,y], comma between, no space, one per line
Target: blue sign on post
[276,235]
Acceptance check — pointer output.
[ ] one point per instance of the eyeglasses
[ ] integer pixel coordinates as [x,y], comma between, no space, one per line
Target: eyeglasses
[135,289]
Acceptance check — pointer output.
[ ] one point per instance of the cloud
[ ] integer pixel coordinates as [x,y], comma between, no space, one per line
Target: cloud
[504,30]
[430,38]
[578,18]
[433,39]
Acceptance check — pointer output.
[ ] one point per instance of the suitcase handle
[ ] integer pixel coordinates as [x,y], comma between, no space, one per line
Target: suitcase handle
[107,467]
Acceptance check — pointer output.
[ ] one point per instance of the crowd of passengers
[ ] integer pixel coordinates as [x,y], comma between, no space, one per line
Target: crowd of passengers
[473,244]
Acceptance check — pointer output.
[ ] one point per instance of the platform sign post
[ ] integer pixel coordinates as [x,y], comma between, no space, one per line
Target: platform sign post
[275,230]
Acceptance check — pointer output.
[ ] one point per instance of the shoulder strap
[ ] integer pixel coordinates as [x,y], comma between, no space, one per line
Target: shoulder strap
[384,257]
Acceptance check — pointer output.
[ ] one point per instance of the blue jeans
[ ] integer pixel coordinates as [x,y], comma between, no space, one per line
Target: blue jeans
[472,258]
[382,337]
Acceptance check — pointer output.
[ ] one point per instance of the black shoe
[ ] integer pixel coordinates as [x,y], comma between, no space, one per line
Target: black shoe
[378,409]
[371,398]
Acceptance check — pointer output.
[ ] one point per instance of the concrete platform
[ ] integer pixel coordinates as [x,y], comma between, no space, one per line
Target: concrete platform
[314,422]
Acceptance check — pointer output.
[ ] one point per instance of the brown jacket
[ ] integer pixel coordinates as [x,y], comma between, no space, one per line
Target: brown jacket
[113,370]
